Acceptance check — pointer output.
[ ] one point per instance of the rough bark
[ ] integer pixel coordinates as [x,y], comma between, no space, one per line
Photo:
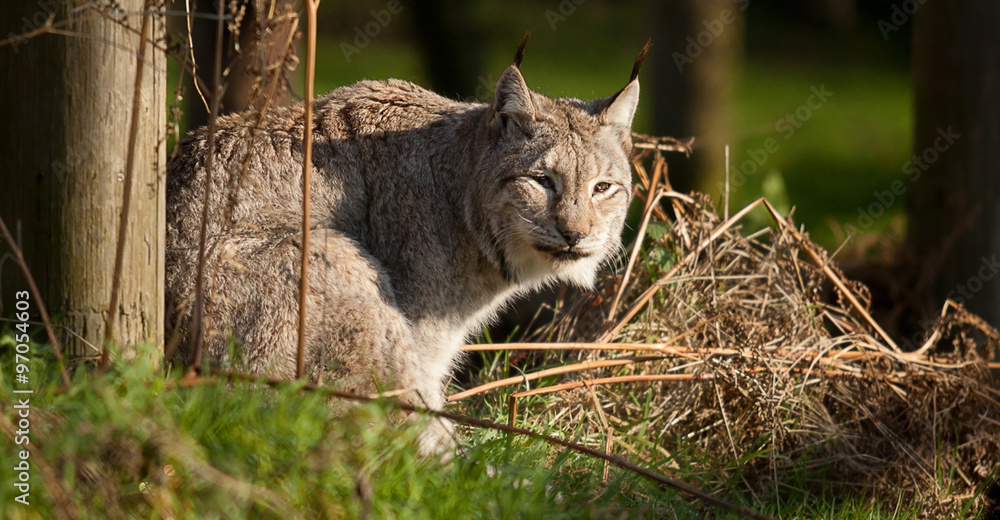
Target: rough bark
[62,161]
[954,224]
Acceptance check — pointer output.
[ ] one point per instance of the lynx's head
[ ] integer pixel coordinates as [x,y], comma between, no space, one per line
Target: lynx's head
[555,181]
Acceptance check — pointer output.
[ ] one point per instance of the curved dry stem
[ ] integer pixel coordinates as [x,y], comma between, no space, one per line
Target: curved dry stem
[576,367]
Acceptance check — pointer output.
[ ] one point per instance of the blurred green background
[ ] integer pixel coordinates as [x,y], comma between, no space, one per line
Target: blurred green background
[851,146]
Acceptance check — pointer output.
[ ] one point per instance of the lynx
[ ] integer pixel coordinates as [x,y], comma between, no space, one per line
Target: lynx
[428,215]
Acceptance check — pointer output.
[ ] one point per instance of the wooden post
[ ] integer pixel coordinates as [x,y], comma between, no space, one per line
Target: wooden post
[62,163]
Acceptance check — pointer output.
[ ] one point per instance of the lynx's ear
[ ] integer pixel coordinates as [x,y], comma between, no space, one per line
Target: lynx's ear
[512,107]
[621,110]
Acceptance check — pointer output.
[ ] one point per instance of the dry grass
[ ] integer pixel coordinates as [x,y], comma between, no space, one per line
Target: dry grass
[757,354]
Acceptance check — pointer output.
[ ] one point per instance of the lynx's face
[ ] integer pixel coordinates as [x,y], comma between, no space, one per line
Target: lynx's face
[556,182]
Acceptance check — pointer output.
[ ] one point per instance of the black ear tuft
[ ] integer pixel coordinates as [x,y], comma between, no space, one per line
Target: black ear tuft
[638,61]
[520,50]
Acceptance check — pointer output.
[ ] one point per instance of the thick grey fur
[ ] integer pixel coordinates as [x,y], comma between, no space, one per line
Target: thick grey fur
[428,215]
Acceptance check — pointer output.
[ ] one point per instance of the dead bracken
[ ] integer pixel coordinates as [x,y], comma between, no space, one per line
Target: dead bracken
[752,351]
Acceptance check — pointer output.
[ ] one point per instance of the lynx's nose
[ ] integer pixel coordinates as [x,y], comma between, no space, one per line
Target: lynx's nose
[573,237]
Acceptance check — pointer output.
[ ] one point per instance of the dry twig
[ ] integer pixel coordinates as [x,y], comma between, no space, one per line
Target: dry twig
[197,315]
[312,6]
[37,295]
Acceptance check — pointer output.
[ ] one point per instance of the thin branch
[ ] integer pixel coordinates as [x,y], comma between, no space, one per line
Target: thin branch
[651,200]
[576,367]
[312,6]
[200,84]
[663,144]
[45,28]
[189,16]
[50,27]
[725,190]
[199,291]
[613,380]
[648,347]
[672,349]
[56,348]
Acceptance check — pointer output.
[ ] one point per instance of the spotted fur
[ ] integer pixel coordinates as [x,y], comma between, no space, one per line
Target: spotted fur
[429,215]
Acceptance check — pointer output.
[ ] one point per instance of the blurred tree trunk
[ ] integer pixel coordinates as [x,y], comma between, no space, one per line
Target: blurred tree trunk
[448,36]
[62,164]
[954,222]
[696,49]
[256,44]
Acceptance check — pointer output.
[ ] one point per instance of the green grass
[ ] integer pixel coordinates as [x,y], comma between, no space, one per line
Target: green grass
[853,145]
[134,443]
[126,426]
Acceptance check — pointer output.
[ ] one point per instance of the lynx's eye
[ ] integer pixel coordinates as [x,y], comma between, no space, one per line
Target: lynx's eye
[602,187]
[544,181]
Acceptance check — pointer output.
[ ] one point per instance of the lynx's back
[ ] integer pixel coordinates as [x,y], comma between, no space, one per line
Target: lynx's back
[257,182]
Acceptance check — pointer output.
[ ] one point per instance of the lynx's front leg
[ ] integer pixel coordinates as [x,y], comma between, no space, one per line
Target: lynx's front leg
[353,322]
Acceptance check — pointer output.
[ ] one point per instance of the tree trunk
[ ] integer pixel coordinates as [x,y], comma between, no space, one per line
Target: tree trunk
[954,223]
[447,33]
[62,161]
[697,44]
[263,33]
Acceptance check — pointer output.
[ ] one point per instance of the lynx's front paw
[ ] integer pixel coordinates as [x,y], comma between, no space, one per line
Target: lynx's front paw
[438,439]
